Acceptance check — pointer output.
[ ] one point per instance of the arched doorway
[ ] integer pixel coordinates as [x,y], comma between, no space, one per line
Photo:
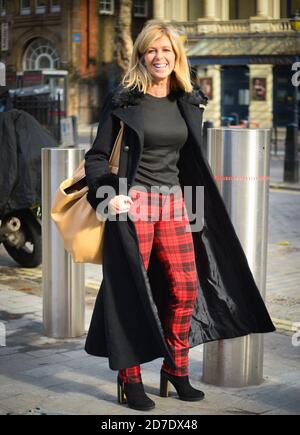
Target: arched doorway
[43,91]
[41,54]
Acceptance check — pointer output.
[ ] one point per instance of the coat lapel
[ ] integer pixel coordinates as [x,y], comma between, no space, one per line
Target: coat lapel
[133,117]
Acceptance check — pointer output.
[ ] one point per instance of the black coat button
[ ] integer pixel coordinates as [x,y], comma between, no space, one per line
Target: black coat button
[126,148]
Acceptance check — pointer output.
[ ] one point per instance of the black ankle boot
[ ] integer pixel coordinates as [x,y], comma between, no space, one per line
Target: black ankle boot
[134,395]
[182,385]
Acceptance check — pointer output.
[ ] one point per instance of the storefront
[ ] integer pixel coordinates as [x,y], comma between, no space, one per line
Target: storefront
[256,86]
[284,96]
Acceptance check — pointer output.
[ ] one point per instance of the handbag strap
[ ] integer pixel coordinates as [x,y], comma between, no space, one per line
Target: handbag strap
[115,154]
[114,159]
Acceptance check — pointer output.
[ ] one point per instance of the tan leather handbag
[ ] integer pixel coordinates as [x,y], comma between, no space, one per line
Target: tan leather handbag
[81,230]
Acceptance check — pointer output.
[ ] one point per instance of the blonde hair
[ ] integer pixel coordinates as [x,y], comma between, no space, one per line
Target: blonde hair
[137,75]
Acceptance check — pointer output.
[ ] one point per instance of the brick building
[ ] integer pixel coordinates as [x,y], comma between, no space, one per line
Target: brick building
[68,44]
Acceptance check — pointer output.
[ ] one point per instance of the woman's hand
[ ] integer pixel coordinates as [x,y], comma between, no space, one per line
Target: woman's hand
[119,204]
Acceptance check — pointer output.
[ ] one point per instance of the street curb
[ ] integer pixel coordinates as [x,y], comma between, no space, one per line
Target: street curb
[93,285]
[285,186]
[86,129]
[285,325]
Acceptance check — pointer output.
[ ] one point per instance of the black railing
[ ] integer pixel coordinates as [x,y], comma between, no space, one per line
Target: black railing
[44,109]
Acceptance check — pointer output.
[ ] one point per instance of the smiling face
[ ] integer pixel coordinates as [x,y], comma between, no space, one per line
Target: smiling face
[160,58]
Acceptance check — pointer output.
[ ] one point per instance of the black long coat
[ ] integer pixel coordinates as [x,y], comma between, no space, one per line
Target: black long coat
[127,321]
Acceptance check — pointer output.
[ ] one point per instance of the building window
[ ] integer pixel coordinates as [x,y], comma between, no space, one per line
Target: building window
[25,7]
[241,10]
[2,8]
[41,54]
[140,8]
[40,6]
[55,6]
[107,7]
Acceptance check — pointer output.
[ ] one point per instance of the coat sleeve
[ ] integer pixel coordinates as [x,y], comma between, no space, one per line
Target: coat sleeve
[97,158]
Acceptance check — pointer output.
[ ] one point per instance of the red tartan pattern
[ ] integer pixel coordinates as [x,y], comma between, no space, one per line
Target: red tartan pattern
[174,246]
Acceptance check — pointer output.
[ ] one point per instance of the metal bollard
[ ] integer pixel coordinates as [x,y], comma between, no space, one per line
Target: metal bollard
[206,125]
[63,280]
[240,161]
[291,159]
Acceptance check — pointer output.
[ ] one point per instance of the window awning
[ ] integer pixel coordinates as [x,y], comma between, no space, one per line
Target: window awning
[244,49]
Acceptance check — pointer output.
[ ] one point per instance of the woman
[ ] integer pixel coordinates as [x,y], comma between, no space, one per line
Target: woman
[166,288]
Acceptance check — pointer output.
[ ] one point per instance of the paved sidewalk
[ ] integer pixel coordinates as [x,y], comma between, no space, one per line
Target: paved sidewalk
[40,375]
[283,272]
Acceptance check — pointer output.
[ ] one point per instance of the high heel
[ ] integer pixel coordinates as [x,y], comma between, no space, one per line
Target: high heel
[182,385]
[164,386]
[121,393]
[134,395]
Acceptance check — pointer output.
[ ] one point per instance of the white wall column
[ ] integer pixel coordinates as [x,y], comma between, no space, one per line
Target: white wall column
[213,109]
[176,10]
[210,9]
[158,9]
[262,8]
[276,9]
[224,10]
[261,112]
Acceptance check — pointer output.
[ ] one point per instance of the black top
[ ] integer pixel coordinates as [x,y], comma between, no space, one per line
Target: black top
[165,133]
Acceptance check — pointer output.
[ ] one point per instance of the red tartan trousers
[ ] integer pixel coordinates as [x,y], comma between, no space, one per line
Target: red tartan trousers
[161,221]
